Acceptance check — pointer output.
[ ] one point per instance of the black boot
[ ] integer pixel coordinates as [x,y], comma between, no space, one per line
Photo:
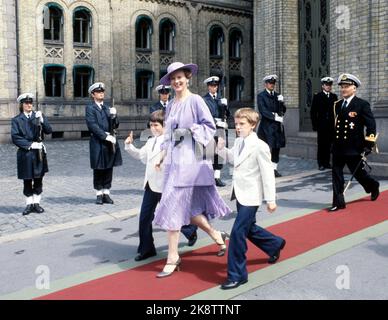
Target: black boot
[99,200]
[38,208]
[220,183]
[106,199]
[28,209]
[277,174]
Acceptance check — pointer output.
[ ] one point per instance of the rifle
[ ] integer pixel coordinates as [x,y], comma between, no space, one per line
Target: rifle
[39,124]
[113,131]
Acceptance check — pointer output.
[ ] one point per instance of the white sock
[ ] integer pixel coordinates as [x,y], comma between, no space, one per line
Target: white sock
[106,191]
[217,174]
[29,200]
[99,193]
[275,165]
[37,198]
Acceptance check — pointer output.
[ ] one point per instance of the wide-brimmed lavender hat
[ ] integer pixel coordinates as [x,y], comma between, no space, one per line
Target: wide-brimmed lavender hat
[175,66]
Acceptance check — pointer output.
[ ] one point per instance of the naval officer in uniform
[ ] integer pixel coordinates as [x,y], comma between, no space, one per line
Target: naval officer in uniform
[102,121]
[27,132]
[352,118]
[219,109]
[164,97]
[322,121]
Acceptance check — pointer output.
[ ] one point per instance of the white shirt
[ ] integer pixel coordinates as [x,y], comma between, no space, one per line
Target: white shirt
[164,104]
[150,154]
[270,92]
[28,115]
[348,100]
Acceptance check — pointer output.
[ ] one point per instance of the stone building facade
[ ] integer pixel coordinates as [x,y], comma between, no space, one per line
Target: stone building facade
[55,49]
[305,40]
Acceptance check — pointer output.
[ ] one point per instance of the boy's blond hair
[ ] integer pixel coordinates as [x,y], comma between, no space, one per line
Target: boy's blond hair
[251,115]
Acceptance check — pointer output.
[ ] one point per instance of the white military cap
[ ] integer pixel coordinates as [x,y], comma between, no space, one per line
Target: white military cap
[163,88]
[272,77]
[327,80]
[96,86]
[213,79]
[347,78]
[24,97]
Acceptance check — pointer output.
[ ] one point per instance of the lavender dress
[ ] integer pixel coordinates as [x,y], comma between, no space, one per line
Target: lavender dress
[189,188]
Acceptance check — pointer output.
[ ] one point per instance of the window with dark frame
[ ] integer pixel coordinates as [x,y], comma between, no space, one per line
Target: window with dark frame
[216,38]
[83,79]
[82,27]
[236,88]
[144,84]
[143,33]
[53,23]
[54,81]
[166,36]
[235,41]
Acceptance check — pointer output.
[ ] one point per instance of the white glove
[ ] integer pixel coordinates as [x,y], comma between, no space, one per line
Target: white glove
[224,101]
[111,139]
[36,146]
[278,118]
[222,124]
[280,98]
[113,111]
[39,115]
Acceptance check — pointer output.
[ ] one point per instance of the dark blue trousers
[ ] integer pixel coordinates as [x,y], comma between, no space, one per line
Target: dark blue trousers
[148,206]
[244,228]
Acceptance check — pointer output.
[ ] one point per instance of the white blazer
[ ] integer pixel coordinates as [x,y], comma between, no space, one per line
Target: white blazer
[253,176]
[150,154]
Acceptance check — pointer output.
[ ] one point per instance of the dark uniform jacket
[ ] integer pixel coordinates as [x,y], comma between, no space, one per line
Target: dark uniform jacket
[24,132]
[99,122]
[322,111]
[349,125]
[158,106]
[271,131]
[217,109]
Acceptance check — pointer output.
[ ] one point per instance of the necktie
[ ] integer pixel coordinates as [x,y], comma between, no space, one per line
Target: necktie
[241,147]
[164,105]
[344,105]
[153,147]
[271,93]
[214,97]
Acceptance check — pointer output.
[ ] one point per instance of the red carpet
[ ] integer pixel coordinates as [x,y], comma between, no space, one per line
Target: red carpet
[202,270]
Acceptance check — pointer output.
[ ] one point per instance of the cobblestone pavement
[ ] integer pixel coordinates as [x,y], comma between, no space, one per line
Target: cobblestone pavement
[68,193]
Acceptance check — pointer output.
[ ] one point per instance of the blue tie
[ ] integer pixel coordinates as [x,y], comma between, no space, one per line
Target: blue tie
[241,147]
[344,105]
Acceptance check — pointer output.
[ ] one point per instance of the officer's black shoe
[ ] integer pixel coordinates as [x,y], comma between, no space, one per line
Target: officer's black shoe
[276,256]
[99,200]
[336,208]
[375,194]
[28,210]
[220,183]
[193,239]
[228,284]
[107,199]
[141,257]
[322,168]
[38,208]
[277,174]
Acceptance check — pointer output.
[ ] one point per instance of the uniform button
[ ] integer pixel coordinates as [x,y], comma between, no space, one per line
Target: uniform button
[337,126]
[346,126]
[346,132]
[345,138]
[337,131]
[346,121]
[337,137]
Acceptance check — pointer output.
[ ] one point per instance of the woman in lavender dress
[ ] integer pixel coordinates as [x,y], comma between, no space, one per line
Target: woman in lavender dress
[189,194]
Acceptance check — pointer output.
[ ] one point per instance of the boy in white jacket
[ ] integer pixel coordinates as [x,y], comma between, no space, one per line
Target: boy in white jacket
[151,154]
[253,182]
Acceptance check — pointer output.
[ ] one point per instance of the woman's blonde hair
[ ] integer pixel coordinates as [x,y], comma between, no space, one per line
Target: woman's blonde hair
[251,115]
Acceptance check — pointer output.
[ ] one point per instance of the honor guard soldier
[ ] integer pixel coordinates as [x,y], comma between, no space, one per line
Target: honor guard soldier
[28,129]
[322,121]
[105,153]
[272,109]
[219,109]
[352,116]
[164,97]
